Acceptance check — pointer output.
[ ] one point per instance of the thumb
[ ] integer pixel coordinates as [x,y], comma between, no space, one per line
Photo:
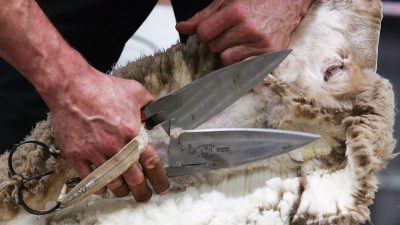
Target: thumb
[144,97]
[189,26]
[134,90]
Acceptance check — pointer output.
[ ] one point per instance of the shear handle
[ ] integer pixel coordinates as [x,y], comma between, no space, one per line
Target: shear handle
[22,187]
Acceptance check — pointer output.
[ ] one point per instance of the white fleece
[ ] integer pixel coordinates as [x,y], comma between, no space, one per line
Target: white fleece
[266,196]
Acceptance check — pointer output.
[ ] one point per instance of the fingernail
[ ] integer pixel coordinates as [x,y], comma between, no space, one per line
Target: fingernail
[144,198]
[142,192]
[121,191]
[164,192]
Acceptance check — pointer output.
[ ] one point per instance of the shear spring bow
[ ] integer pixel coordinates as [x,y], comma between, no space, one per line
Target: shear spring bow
[23,180]
[190,106]
[80,189]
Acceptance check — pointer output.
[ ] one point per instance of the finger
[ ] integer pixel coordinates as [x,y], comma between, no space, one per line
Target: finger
[136,91]
[137,184]
[121,191]
[186,27]
[154,170]
[240,52]
[145,99]
[189,26]
[241,34]
[139,92]
[117,186]
[216,24]
[83,169]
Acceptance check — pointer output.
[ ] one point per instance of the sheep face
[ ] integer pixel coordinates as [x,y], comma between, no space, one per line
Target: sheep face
[327,43]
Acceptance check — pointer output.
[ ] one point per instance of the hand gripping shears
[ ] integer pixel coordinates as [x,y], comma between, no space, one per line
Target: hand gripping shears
[191,151]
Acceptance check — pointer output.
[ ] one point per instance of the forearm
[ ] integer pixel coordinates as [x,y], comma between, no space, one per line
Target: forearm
[89,121]
[32,45]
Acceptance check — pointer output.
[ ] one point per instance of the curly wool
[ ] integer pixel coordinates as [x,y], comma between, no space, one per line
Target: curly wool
[331,181]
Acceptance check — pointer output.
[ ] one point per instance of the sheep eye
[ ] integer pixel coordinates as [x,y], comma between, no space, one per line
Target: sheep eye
[332,70]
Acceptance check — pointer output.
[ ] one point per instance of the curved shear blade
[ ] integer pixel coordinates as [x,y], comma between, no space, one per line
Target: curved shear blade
[198,101]
[222,148]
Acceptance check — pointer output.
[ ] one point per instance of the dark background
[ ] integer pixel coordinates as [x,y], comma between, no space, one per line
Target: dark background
[386,208]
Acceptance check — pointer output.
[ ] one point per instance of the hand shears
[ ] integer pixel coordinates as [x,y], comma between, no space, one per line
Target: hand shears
[191,151]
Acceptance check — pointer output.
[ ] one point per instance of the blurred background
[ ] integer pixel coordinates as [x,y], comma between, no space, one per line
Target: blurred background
[158,32]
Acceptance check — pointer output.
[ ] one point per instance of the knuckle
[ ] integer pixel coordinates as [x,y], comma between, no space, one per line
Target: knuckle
[266,42]
[202,33]
[131,132]
[115,184]
[146,97]
[134,179]
[112,146]
[238,11]
[151,161]
[251,29]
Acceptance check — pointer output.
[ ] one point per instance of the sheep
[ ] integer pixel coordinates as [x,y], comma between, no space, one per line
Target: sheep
[327,85]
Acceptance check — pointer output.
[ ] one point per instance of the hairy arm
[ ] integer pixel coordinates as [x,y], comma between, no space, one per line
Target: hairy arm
[90,122]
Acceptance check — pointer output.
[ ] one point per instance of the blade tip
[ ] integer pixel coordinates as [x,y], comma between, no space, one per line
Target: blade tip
[313,137]
[286,52]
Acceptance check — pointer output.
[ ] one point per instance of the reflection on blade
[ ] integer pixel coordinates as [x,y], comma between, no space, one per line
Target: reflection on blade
[220,148]
[198,101]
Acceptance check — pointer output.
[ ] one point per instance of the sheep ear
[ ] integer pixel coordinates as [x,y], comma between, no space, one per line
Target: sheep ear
[369,131]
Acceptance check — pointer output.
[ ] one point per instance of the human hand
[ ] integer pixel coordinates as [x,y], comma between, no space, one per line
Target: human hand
[237,29]
[94,115]
[94,119]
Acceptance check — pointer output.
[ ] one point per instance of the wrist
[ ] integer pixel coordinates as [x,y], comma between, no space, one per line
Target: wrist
[51,73]
[61,77]
[33,46]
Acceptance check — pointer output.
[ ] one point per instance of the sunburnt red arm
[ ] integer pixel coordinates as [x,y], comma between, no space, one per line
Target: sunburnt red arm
[83,100]
[45,64]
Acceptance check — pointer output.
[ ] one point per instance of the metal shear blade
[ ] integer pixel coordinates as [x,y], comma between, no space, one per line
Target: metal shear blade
[201,99]
[198,150]
[191,106]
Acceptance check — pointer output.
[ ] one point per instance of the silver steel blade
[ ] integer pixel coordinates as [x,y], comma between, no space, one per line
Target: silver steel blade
[198,101]
[220,148]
